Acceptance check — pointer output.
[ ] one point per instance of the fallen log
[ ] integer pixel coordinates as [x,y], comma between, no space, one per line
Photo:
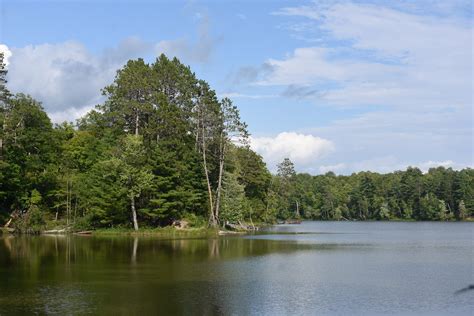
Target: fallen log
[55,231]
[13,215]
[229,232]
[8,223]
[85,232]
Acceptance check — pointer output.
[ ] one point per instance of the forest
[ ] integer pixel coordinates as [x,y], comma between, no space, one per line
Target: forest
[163,147]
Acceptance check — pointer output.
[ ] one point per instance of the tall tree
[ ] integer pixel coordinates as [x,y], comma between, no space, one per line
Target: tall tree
[130,97]
[4,98]
[135,174]
[231,129]
[207,113]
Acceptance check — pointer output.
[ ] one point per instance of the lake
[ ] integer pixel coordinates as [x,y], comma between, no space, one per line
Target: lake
[316,268]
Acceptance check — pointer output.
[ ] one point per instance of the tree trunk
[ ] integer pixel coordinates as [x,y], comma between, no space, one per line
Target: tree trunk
[219,182]
[251,222]
[134,213]
[137,122]
[8,223]
[212,218]
[4,133]
[67,202]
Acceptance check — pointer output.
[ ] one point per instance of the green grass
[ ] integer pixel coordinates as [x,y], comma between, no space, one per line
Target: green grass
[168,231]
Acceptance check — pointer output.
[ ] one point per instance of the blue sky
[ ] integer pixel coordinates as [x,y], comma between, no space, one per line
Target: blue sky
[335,85]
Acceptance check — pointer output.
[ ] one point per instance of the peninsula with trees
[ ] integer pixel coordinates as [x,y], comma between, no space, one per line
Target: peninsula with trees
[163,148]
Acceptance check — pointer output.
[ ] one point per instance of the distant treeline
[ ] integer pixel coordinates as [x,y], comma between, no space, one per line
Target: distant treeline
[163,147]
[439,194]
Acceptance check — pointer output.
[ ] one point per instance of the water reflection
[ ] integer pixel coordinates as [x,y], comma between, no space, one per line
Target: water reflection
[57,274]
[374,271]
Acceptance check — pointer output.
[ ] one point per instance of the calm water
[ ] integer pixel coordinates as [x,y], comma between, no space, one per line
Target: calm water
[316,268]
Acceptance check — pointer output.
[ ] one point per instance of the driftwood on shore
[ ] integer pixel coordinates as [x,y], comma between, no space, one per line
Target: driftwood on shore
[84,232]
[13,215]
[239,227]
[55,231]
[230,232]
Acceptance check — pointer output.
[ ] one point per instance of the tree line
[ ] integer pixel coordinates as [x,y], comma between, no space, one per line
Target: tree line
[440,194]
[164,147]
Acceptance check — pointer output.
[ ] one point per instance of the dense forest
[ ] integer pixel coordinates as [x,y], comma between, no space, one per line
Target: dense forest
[163,147]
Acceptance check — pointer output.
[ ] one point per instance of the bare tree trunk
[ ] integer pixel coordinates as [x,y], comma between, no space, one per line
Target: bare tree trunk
[297,209]
[134,213]
[67,202]
[219,189]
[212,218]
[4,128]
[219,182]
[75,209]
[251,222]
[137,122]
[9,222]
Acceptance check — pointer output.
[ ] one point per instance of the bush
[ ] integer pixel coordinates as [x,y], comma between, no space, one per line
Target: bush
[31,222]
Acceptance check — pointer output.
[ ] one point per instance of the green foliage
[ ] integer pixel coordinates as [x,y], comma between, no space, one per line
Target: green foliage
[403,195]
[163,145]
[234,203]
[286,169]
[462,210]
[178,186]
[32,221]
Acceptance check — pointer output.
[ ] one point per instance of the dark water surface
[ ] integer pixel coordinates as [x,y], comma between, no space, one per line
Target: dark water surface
[316,268]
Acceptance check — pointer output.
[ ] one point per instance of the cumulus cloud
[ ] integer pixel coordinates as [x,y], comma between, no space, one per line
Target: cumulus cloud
[6,53]
[302,149]
[68,115]
[68,78]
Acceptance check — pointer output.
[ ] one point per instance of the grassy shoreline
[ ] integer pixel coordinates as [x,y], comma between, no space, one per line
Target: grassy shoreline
[168,231]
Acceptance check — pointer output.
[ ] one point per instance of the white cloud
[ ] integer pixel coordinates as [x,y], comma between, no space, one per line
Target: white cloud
[68,115]
[302,149]
[411,72]
[380,56]
[67,78]
[61,75]
[6,53]
[389,140]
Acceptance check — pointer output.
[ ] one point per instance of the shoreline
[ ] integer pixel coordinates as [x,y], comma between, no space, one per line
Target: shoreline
[191,232]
